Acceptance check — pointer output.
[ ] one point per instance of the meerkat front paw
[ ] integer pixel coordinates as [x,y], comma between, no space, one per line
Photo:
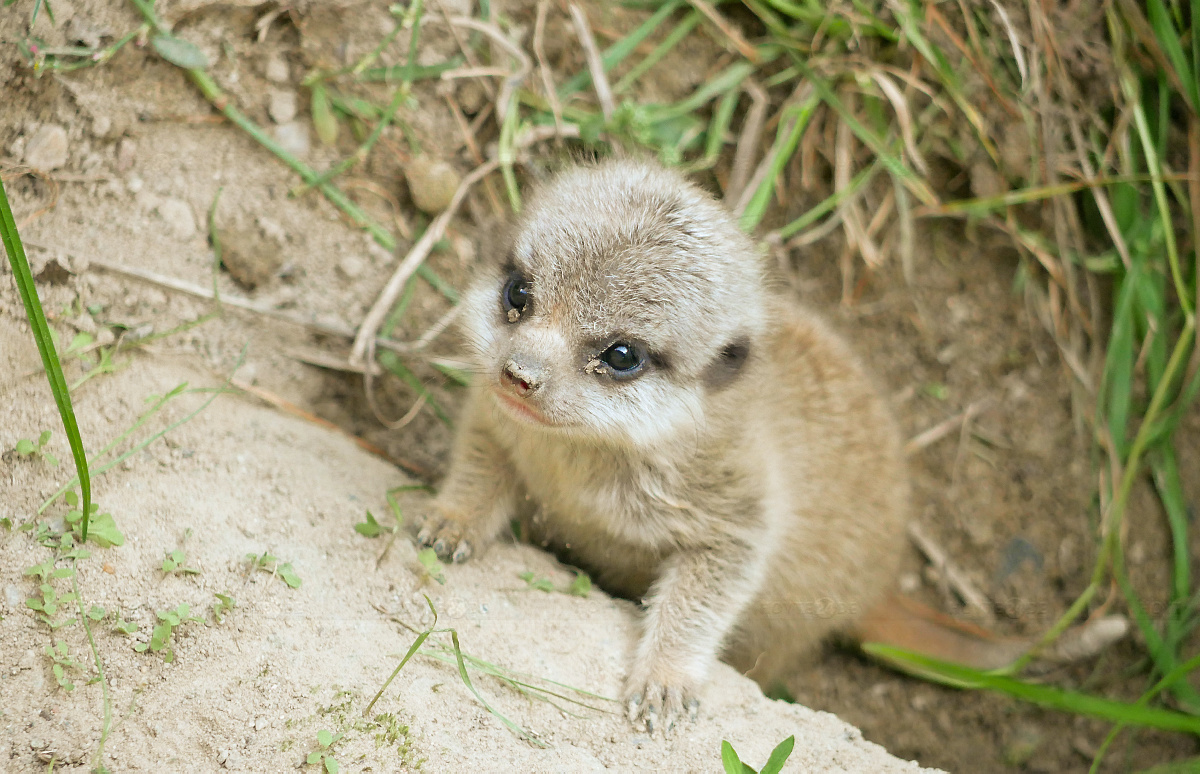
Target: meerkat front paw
[653,705]
[448,537]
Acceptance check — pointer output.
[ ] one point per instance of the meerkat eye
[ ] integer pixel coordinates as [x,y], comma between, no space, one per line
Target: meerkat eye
[623,358]
[515,296]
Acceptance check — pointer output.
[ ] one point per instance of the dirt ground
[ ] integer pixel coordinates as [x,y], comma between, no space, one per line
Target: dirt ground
[1010,498]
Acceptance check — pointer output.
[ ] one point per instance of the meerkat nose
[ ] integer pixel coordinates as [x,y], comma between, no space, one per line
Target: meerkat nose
[519,379]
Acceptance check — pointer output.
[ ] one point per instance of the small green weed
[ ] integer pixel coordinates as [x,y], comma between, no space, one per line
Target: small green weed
[581,586]
[164,631]
[121,626]
[102,528]
[224,605]
[541,584]
[324,752]
[176,561]
[432,566]
[50,601]
[774,764]
[60,655]
[28,448]
[270,563]
[372,528]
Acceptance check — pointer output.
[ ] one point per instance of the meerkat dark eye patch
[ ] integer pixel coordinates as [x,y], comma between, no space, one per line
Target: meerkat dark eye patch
[728,363]
[514,296]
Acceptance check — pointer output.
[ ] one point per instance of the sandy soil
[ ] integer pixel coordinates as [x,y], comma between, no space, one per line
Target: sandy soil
[1010,498]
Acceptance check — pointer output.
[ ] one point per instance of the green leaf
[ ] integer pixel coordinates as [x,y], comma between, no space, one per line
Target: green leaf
[44,438]
[50,458]
[104,531]
[779,756]
[80,341]
[541,584]
[314,757]
[324,738]
[180,52]
[369,528]
[96,613]
[25,447]
[323,118]
[581,586]
[289,575]
[428,559]
[332,766]
[729,759]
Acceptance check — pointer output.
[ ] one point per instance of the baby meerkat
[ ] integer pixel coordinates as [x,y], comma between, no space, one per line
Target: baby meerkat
[664,419]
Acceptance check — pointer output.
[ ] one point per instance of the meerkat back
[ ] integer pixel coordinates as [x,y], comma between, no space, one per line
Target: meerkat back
[845,498]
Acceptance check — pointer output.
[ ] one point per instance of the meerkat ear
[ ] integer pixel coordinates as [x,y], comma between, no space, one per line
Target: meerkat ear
[728,364]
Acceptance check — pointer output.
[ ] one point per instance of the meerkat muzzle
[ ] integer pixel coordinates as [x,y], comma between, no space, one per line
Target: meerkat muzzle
[520,379]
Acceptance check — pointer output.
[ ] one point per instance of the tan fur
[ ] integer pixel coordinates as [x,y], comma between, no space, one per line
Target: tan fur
[755,509]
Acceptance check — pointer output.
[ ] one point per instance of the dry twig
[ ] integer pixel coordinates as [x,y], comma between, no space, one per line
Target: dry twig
[955,578]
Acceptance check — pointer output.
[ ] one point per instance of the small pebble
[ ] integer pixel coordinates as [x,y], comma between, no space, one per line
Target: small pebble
[261,722]
[282,106]
[101,125]
[14,598]
[351,267]
[126,154]
[47,149]
[249,258]
[178,217]
[432,183]
[293,137]
[271,230]
[277,69]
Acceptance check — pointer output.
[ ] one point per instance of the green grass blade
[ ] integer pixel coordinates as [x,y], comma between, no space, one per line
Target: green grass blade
[420,640]
[895,165]
[1116,389]
[45,344]
[1163,655]
[1165,469]
[1045,695]
[831,202]
[391,362]
[1168,40]
[785,146]
[662,49]
[616,53]
[462,673]
[778,756]
[729,759]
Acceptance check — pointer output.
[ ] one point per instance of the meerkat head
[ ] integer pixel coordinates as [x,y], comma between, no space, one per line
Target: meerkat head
[626,297]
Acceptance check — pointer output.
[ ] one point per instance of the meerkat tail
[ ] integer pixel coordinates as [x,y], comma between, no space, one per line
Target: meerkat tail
[902,622]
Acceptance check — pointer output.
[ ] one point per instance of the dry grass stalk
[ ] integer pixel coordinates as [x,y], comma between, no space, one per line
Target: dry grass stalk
[595,65]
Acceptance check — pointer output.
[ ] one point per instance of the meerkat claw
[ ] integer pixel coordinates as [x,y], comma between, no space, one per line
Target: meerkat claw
[633,708]
[651,720]
[462,553]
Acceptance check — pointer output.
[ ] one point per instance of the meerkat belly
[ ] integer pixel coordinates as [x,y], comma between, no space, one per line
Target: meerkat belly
[590,509]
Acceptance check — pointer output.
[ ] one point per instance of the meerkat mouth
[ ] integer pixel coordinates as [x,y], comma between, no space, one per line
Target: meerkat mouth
[521,410]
